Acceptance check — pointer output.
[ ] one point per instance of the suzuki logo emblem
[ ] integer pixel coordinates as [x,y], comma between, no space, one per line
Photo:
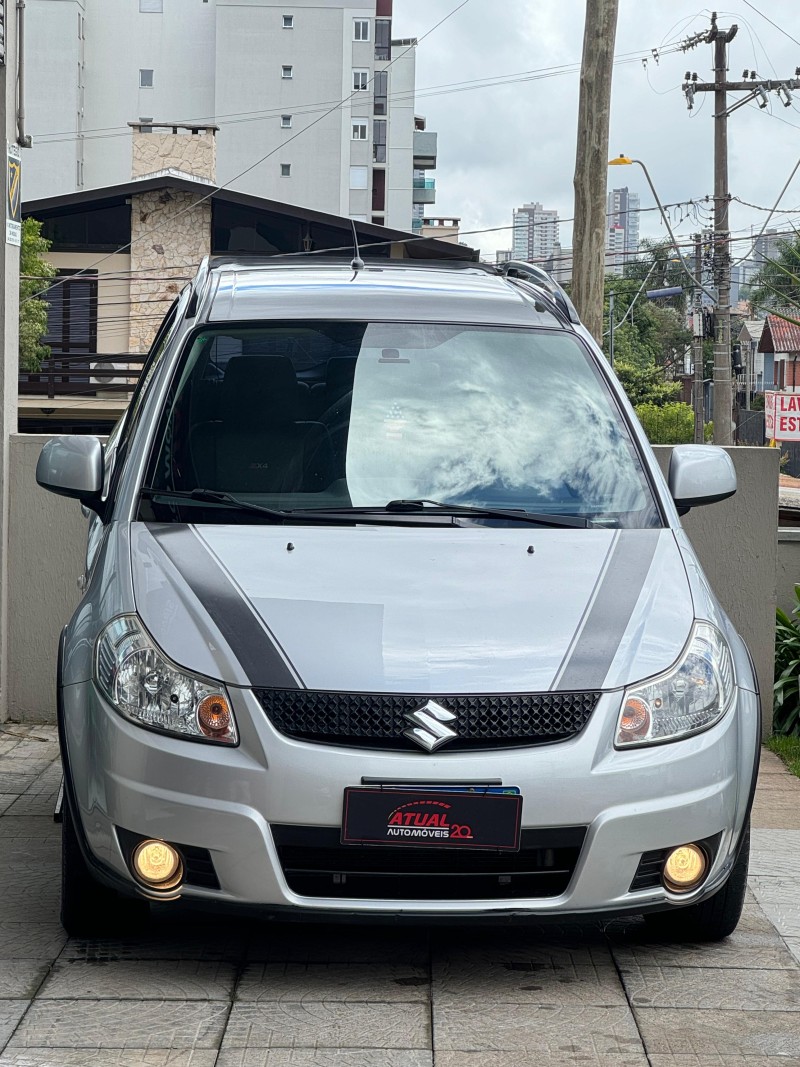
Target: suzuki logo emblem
[429,725]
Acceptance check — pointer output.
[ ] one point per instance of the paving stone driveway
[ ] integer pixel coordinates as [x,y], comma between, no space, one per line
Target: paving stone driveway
[220,993]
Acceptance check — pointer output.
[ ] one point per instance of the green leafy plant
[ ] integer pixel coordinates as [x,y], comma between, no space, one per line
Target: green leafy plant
[786,707]
[669,424]
[35,273]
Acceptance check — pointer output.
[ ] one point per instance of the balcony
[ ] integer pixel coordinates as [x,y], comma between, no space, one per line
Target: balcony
[424,150]
[424,191]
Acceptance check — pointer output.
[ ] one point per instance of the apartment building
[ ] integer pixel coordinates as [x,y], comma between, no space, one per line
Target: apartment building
[622,228]
[269,75]
[535,232]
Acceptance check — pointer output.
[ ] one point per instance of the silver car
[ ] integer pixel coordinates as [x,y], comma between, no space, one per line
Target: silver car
[389,612]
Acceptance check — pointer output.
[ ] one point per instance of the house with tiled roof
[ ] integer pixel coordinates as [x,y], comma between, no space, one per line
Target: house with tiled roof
[780,343]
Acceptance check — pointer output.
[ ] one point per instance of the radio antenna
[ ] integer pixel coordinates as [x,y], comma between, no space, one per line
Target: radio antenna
[358,262]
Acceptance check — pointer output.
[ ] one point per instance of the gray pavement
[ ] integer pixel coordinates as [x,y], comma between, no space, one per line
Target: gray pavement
[211,992]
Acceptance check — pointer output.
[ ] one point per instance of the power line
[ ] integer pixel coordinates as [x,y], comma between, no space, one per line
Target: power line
[769,20]
[447,88]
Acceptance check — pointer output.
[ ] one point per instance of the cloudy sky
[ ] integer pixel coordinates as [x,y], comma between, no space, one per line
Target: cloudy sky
[503,145]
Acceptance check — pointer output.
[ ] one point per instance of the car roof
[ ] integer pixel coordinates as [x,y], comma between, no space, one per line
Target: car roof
[390,290]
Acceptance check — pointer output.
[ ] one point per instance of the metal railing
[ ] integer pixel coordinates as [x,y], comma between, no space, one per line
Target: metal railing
[83,374]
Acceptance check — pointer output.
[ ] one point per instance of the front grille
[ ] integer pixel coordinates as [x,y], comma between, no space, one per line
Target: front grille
[316,864]
[376,720]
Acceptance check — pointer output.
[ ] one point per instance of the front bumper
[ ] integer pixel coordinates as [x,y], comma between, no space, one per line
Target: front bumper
[225,800]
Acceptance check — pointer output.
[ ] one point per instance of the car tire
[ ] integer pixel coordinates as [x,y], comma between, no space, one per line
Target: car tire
[712,919]
[88,908]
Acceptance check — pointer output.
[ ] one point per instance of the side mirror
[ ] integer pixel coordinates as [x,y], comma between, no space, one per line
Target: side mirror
[73,466]
[700,474]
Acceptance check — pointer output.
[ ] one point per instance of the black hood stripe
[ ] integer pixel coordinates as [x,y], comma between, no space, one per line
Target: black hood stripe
[588,661]
[258,651]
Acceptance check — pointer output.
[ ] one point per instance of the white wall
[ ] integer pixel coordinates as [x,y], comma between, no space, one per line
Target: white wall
[219,61]
[52,95]
[400,138]
[47,538]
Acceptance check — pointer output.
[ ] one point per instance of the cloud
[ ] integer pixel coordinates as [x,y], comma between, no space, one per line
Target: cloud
[505,145]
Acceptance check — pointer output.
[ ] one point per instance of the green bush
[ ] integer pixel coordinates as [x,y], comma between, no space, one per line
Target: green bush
[786,705]
[669,424]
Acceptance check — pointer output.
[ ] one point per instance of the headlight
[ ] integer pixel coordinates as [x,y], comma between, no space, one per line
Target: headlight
[689,698]
[149,690]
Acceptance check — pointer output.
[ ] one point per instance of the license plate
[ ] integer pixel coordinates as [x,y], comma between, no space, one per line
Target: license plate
[455,818]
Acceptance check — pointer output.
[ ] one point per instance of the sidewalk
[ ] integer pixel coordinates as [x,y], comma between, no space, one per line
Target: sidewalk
[211,992]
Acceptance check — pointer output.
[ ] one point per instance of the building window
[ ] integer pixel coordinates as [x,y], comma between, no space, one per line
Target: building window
[379,141]
[288,22]
[359,177]
[286,170]
[154,6]
[145,79]
[144,119]
[359,131]
[360,80]
[286,122]
[381,92]
[383,38]
[360,29]
[286,72]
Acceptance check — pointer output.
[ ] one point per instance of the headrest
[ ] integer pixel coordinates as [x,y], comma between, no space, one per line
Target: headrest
[259,389]
[339,374]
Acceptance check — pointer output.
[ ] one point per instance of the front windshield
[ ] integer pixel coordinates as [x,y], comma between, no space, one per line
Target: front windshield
[340,415]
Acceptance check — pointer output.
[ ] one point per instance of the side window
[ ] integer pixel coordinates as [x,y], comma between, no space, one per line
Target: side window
[121,434]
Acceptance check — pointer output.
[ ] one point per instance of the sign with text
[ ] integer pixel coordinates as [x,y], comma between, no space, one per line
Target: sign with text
[782,416]
[14,196]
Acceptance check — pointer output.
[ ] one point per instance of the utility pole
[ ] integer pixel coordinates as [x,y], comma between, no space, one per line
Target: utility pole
[9,310]
[756,89]
[698,397]
[591,160]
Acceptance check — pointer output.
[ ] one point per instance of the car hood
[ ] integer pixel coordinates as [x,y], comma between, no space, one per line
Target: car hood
[414,610]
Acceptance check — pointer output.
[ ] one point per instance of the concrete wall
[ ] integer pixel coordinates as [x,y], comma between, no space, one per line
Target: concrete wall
[788,571]
[737,544]
[736,541]
[47,536]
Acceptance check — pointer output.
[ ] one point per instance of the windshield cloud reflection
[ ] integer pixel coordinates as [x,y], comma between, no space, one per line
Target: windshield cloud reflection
[488,417]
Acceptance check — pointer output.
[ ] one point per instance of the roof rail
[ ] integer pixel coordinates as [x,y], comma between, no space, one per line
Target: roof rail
[198,284]
[518,268]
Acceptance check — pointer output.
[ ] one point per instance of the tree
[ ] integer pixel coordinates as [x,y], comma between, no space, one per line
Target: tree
[649,338]
[777,284]
[35,272]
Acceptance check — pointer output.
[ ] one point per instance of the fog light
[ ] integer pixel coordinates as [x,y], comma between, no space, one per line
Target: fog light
[685,868]
[157,864]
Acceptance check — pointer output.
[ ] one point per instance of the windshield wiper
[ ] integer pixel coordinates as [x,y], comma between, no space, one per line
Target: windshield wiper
[211,496]
[415,507]
[533,517]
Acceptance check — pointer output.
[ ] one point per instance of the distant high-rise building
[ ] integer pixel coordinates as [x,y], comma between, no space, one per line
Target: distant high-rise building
[535,232]
[622,228]
[767,246]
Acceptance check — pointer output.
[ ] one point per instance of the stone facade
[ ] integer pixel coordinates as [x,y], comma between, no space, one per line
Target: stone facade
[175,148]
[170,234]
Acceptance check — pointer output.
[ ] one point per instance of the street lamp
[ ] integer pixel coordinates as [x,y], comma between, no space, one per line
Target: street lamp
[626,161]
